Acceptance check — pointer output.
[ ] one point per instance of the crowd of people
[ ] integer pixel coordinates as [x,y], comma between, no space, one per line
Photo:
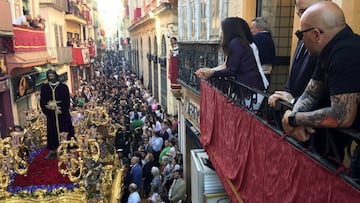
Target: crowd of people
[146,140]
[75,42]
[26,19]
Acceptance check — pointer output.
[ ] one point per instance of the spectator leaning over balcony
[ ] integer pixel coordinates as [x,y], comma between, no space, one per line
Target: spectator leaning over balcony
[175,47]
[23,20]
[303,66]
[264,42]
[38,22]
[335,82]
[240,61]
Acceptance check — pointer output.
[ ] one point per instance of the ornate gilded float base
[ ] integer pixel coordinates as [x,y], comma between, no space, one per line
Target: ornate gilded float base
[73,197]
[76,196]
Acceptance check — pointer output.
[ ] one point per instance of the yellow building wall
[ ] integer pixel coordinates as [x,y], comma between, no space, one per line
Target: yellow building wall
[73,28]
[242,8]
[351,10]
[352,13]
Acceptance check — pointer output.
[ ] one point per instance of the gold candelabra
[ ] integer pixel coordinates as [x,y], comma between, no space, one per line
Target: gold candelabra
[11,158]
[88,158]
[81,158]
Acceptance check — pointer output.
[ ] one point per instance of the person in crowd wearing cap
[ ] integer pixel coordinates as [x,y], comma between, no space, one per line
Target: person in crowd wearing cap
[55,104]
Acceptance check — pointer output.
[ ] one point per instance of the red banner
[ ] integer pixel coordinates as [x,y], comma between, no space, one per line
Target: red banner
[256,165]
[173,69]
[29,39]
[80,56]
[92,50]
[173,73]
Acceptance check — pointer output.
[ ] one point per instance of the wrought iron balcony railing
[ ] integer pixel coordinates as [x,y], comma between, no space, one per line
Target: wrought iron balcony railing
[239,94]
[191,57]
[57,4]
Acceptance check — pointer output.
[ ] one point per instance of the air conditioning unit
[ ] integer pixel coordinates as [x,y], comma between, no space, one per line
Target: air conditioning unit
[205,184]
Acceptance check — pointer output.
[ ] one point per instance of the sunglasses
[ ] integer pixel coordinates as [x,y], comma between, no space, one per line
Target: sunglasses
[300,33]
[300,11]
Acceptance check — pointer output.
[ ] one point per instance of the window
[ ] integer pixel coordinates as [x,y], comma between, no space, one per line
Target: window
[280,15]
[203,19]
[215,18]
[61,34]
[56,35]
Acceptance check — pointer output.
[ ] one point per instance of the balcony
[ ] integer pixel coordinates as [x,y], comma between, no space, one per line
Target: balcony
[270,167]
[191,57]
[75,12]
[80,56]
[63,55]
[28,50]
[137,14]
[60,5]
[28,39]
[173,73]
[92,51]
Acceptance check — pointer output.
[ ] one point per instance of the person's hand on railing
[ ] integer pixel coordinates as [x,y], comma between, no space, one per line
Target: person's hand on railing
[285,96]
[204,73]
[300,133]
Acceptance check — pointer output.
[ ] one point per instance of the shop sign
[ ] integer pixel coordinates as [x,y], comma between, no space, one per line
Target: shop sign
[192,110]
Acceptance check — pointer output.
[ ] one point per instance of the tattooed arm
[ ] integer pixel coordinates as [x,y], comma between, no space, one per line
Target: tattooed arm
[340,114]
[309,100]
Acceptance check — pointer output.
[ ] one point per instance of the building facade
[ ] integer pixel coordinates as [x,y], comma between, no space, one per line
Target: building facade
[197,27]
[27,52]
[153,23]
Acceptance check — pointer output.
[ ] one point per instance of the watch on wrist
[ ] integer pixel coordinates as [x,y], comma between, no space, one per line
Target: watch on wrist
[292,101]
[292,120]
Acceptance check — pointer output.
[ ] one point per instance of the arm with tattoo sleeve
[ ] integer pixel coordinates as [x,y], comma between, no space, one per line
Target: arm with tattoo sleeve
[340,114]
[309,100]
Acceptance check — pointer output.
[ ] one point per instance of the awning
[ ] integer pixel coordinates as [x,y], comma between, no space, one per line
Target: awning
[20,62]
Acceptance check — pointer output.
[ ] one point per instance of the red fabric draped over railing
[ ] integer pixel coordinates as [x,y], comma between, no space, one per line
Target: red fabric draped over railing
[173,72]
[92,50]
[28,39]
[256,165]
[80,56]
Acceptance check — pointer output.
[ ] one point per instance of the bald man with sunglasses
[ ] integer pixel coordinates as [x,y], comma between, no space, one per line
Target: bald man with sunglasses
[335,82]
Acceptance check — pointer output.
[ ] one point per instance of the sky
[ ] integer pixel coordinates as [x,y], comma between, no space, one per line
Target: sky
[109,11]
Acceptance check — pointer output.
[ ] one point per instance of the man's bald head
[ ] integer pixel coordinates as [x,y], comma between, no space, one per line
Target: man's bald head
[132,187]
[322,21]
[302,5]
[324,15]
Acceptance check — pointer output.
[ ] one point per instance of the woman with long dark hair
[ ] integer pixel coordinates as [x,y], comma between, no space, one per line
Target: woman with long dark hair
[240,55]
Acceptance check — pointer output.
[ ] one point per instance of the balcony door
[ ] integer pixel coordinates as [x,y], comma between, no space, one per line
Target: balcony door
[280,15]
[163,74]
[156,70]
